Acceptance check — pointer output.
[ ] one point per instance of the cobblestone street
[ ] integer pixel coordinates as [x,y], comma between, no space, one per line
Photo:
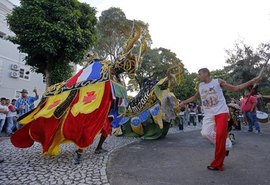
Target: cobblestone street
[28,166]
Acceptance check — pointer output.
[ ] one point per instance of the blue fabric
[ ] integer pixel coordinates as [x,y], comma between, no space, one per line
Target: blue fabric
[144,116]
[116,121]
[28,102]
[96,71]
[135,121]
[154,110]
[124,120]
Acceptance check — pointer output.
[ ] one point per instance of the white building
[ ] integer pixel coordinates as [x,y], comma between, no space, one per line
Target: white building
[14,74]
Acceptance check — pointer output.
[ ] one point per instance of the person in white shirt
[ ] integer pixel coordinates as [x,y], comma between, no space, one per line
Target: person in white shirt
[215,122]
[3,113]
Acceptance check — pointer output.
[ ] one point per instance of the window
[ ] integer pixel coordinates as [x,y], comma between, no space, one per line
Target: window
[23,74]
[2,34]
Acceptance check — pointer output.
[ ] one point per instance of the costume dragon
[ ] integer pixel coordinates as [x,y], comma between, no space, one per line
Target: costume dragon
[92,101]
[77,110]
[149,114]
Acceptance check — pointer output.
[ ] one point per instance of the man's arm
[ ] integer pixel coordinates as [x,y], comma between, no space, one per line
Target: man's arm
[192,98]
[240,87]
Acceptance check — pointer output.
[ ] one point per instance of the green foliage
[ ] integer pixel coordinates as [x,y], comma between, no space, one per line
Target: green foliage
[53,31]
[57,74]
[113,30]
[187,88]
[245,63]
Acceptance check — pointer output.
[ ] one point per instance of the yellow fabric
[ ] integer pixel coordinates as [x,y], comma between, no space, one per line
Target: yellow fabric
[52,103]
[58,138]
[30,117]
[158,119]
[137,129]
[89,99]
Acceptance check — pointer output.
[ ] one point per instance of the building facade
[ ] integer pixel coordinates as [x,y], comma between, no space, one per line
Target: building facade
[14,74]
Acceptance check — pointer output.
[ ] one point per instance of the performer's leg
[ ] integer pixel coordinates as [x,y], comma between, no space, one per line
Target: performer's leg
[255,121]
[249,120]
[78,156]
[99,148]
[221,135]
[208,129]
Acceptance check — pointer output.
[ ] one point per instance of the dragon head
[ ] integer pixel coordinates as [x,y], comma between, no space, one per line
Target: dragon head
[128,61]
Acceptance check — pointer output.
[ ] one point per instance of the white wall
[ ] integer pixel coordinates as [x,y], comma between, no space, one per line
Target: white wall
[10,55]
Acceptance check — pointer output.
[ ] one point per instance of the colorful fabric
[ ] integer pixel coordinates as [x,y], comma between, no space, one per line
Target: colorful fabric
[90,99]
[119,90]
[91,72]
[80,128]
[83,128]
[52,103]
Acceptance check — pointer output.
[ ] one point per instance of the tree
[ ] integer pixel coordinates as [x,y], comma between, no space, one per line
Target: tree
[154,66]
[53,33]
[187,87]
[244,63]
[113,30]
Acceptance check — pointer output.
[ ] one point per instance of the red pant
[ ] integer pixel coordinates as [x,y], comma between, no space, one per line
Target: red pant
[221,136]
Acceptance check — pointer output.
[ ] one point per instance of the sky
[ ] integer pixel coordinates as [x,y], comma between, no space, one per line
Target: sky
[198,31]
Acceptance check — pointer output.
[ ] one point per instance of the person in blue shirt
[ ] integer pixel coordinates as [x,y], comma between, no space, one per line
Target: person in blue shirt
[25,103]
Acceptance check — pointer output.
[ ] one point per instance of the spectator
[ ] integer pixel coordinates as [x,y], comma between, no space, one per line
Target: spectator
[248,107]
[192,113]
[200,114]
[3,113]
[11,116]
[25,103]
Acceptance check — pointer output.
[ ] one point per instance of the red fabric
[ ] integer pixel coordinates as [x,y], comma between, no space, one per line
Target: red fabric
[221,136]
[43,131]
[247,103]
[107,129]
[11,107]
[83,128]
[21,137]
[73,79]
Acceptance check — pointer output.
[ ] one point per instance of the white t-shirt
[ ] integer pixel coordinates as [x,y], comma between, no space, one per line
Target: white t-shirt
[3,115]
[213,101]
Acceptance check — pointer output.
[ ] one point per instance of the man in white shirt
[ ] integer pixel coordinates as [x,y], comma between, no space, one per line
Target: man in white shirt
[3,113]
[215,122]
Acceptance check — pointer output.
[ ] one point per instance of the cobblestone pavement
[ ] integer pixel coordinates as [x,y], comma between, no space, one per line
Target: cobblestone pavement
[27,166]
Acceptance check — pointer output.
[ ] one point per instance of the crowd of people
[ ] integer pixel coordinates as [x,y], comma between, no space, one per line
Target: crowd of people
[10,110]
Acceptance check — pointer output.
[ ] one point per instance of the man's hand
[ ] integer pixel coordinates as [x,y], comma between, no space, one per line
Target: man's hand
[35,90]
[256,79]
[182,105]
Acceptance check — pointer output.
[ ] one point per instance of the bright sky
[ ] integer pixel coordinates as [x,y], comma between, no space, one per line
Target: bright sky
[197,31]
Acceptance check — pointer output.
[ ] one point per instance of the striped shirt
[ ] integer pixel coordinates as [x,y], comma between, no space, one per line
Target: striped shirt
[27,102]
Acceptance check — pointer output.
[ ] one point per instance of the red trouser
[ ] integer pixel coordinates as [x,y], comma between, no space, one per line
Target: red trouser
[221,136]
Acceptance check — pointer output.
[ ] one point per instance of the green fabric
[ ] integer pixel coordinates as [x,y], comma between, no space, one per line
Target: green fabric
[119,90]
[150,128]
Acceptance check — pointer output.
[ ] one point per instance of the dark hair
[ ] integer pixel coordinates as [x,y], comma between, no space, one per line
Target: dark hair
[205,70]
[3,98]
[13,100]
